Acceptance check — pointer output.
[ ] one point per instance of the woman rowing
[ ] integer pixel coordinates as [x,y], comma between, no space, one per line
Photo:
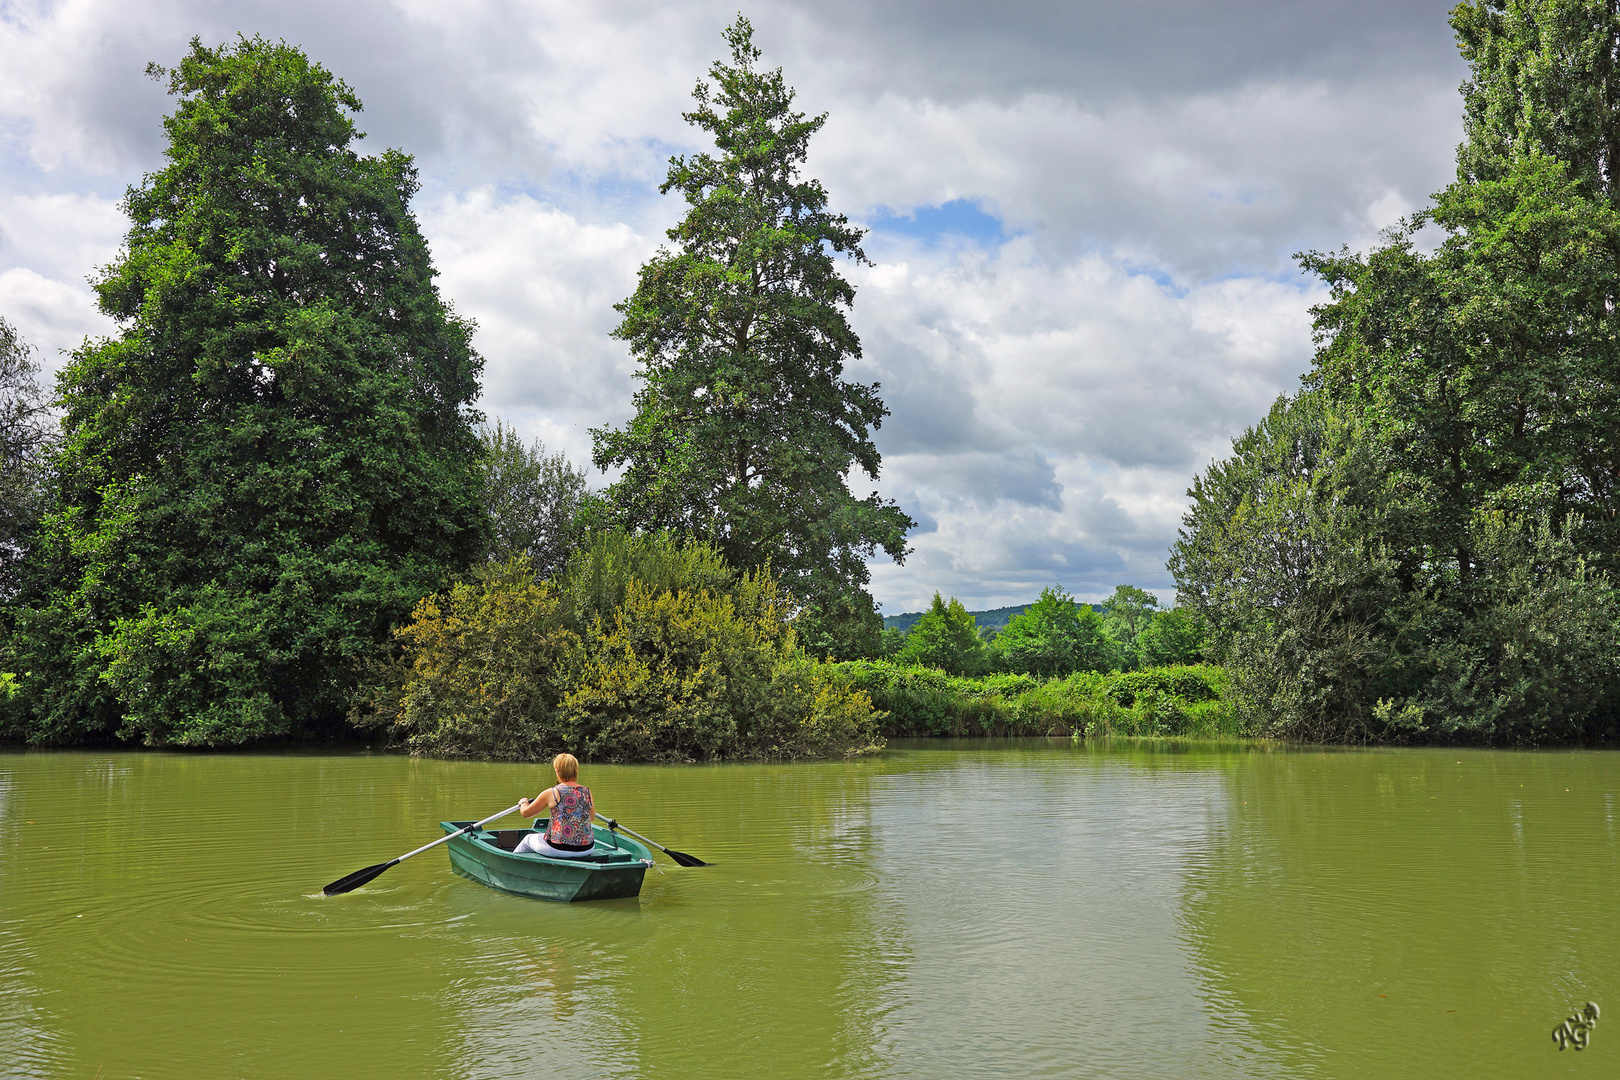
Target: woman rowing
[568,835]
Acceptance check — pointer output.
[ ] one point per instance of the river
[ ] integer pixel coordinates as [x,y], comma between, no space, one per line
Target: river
[1016,909]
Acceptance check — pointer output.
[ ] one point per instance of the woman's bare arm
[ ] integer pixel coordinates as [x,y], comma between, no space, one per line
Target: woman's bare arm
[544,801]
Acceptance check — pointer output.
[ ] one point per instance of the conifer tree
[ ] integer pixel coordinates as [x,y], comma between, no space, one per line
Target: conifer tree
[745,430]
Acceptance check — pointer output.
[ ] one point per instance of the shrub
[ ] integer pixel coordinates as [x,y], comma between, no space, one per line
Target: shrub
[484,665]
[600,574]
[812,711]
[918,701]
[697,662]
[671,675]
[1191,684]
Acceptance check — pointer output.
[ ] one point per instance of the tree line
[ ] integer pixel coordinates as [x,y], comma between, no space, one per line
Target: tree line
[1422,542]
[267,508]
[1054,637]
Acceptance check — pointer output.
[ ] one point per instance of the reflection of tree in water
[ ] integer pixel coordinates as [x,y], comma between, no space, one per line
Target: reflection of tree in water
[780,951]
[553,973]
[777,953]
[1407,912]
[27,1043]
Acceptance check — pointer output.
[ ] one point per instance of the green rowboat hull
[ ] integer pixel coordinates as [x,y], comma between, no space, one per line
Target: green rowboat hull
[613,872]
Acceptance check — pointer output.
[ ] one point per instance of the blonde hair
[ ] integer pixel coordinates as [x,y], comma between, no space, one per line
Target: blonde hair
[566,766]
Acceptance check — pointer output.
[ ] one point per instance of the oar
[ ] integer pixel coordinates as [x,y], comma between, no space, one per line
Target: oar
[360,877]
[680,857]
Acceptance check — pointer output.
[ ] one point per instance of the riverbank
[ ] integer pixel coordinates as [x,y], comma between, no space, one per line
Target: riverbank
[1185,701]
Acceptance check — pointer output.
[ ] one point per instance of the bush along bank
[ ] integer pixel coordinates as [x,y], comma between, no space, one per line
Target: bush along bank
[1187,701]
[644,649]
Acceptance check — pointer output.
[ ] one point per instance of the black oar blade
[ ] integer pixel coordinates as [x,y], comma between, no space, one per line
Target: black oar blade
[357,879]
[683,859]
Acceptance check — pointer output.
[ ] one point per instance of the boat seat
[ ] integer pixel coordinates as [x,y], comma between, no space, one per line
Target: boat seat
[509,839]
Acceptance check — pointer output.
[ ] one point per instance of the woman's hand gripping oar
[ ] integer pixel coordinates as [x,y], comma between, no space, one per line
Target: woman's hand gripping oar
[360,877]
[680,857]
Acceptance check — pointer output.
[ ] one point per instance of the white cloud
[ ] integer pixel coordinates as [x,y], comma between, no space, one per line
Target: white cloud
[1049,418]
[49,245]
[52,316]
[541,285]
[1155,165]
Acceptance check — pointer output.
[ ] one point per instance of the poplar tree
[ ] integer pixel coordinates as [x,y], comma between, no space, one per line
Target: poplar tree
[275,456]
[1445,564]
[1491,367]
[745,430]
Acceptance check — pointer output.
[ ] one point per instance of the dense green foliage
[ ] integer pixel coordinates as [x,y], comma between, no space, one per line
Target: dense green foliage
[644,649]
[1055,636]
[920,701]
[539,505]
[946,638]
[843,627]
[469,681]
[1174,636]
[1127,614]
[745,429]
[274,458]
[1421,543]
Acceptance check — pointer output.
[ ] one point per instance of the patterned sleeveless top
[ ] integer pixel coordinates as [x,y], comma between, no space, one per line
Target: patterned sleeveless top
[571,817]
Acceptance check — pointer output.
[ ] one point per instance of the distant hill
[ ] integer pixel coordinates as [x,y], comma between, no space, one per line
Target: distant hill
[995,618]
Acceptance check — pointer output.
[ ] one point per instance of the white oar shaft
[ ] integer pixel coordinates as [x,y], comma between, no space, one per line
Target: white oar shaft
[624,828]
[451,836]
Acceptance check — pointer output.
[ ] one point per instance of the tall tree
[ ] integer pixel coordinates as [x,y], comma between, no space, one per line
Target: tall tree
[1492,366]
[1544,78]
[539,504]
[1444,564]
[275,457]
[946,637]
[1056,636]
[25,435]
[745,430]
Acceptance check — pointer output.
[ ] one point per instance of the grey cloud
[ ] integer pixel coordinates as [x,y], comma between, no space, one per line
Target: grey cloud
[925,522]
[1102,49]
[1007,554]
[1084,359]
[1198,188]
[930,400]
[981,479]
[1205,138]
[1087,571]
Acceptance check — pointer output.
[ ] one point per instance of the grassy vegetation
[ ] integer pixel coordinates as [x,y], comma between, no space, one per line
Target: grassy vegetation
[1188,701]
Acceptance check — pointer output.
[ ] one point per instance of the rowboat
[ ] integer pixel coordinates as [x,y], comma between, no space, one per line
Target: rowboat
[614,868]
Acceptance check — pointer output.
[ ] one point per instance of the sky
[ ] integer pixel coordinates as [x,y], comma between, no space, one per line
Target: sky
[1083,216]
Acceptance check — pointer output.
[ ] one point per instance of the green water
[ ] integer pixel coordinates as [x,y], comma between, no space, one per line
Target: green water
[1018,910]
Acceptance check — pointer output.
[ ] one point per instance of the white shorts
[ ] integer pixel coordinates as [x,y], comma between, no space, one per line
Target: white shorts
[535,844]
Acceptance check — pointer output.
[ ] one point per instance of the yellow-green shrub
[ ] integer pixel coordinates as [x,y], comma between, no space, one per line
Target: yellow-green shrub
[480,674]
[701,662]
[668,675]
